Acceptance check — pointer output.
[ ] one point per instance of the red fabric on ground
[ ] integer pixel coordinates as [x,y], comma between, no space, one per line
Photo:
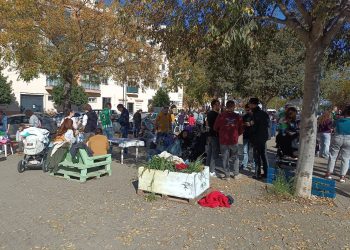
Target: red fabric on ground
[214,199]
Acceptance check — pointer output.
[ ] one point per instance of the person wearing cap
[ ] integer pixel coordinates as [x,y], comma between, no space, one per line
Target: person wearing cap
[229,126]
[260,135]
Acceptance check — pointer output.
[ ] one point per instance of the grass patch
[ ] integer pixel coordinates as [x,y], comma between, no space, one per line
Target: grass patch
[151,197]
[282,186]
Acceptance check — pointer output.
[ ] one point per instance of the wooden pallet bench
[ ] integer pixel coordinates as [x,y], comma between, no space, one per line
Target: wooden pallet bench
[320,187]
[84,167]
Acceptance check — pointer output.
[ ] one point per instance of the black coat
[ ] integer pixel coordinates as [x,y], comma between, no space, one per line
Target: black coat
[260,129]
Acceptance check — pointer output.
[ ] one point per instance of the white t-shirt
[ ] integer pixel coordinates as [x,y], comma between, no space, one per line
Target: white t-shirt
[69,136]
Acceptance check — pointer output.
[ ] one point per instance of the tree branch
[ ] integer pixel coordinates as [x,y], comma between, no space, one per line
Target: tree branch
[305,14]
[334,30]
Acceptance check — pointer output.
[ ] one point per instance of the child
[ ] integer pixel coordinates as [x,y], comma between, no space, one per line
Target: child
[19,138]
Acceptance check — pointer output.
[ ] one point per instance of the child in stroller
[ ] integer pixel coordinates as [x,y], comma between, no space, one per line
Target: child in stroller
[36,142]
[288,139]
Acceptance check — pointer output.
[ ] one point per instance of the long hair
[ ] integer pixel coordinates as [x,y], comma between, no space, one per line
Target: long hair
[291,114]
[326,116]
[66,125]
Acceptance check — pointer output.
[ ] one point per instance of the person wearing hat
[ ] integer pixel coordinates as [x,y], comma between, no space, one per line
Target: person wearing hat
[260,135]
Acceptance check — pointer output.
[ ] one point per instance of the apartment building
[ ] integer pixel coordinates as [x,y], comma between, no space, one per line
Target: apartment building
[36,94]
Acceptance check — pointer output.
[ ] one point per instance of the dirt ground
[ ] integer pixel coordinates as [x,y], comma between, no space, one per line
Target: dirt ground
[39,211]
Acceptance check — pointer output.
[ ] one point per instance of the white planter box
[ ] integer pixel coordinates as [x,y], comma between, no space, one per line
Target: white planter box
[177,184]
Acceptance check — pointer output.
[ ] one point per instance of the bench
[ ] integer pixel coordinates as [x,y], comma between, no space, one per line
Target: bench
[84,167]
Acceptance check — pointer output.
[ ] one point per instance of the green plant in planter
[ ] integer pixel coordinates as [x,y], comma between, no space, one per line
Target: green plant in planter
[159,163]
[195,166]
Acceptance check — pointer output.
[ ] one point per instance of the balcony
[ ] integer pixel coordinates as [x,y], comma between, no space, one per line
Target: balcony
[91,87]
[51,82]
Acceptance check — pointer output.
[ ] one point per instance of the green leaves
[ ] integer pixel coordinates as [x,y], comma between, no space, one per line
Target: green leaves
[161,98]
[78,96]
[6,90]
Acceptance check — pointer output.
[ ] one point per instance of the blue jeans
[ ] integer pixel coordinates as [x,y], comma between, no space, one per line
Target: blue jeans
[325,141]
[109,132]
[124,133]
[340,145]
[213,152]
[230,159]
[247,154]
[137,130]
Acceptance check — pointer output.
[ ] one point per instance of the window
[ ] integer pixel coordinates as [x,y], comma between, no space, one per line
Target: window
[132,90]
[50,98]
[130,107]
[92,99]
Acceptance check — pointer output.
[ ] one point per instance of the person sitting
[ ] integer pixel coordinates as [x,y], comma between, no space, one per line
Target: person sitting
[61,144]
[69,114]
[65,133]
[286,141]
[98,143]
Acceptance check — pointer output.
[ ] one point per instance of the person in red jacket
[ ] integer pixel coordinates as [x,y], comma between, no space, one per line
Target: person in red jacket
[229,125]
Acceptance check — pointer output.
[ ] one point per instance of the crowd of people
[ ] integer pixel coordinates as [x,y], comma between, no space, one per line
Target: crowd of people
[209,133]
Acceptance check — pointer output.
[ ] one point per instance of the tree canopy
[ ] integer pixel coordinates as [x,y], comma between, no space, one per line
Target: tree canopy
[78,96]
[70,38]
[161,98]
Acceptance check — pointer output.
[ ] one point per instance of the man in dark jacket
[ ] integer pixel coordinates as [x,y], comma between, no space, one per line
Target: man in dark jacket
[260,134]
[229,125]
[124,122]
[213,139]
[137,123]
[89,122]
[247,134]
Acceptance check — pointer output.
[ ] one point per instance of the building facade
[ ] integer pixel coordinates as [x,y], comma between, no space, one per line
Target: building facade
[36,94]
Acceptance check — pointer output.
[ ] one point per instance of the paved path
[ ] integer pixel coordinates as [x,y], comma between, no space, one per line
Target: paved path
[38,211]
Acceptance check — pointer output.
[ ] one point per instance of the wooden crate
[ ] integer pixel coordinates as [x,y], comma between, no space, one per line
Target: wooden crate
[176,184]
[323,188]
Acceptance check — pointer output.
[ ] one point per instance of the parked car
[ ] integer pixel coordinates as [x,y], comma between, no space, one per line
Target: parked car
[59,117]
[15,120]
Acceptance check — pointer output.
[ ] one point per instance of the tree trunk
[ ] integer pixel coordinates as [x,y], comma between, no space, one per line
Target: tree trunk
[67,89]
[314,54]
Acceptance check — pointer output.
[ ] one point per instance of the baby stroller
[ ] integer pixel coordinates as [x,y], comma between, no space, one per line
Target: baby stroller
[287,145]
[36,144]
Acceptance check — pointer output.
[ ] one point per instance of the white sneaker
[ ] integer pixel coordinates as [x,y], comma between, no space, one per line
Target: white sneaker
[213,174]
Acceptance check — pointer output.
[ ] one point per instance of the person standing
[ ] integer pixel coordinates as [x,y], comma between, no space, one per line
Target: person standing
[247,134]
[340,143]
[123,120]
[200,119]
[33,119]
[213,138]
[325,123]
[163,121]
[229,125]
[106,121]
[181,120]
[137,123]
[4,125]
[89,122]
[260,135]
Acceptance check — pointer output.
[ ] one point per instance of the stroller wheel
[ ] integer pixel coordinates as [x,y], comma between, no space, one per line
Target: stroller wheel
[44,166]
[21,166]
